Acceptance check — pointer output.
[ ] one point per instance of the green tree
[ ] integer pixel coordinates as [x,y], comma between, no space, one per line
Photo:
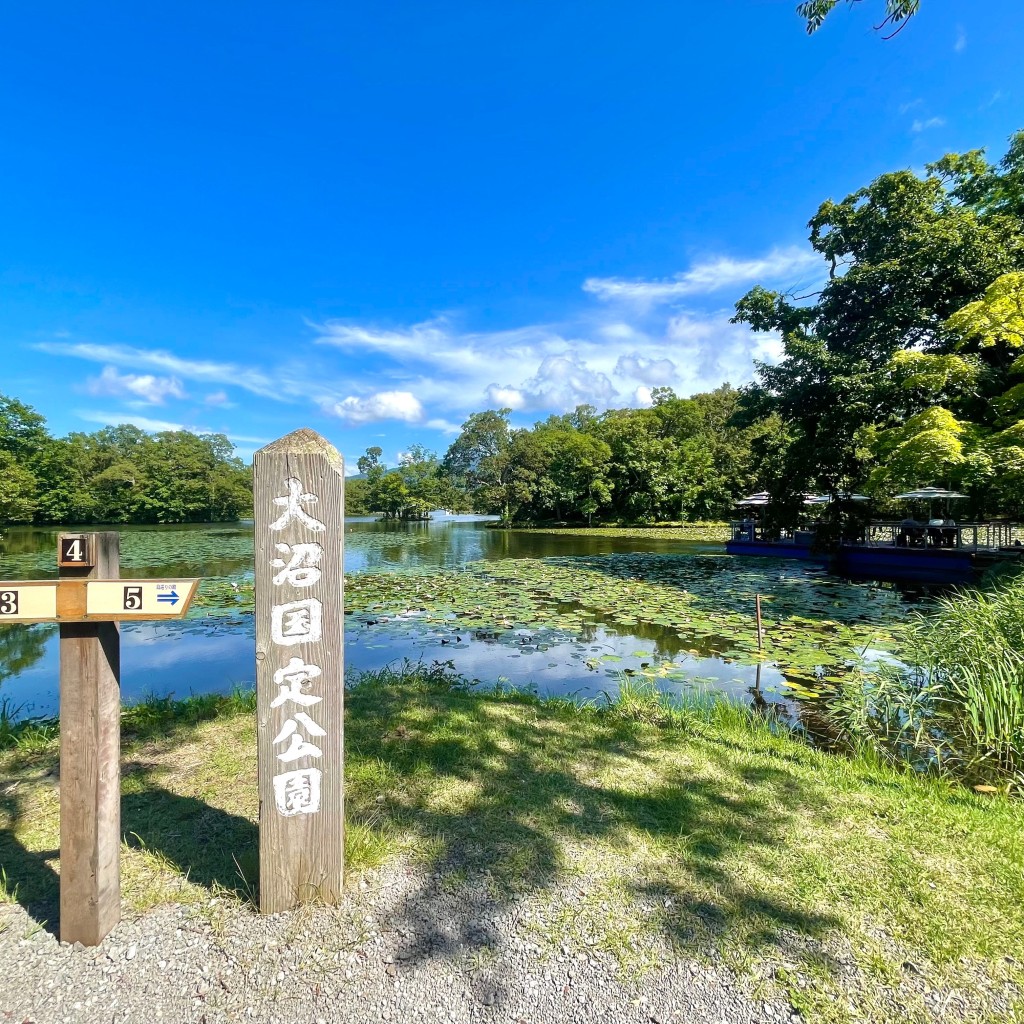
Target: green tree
[373,471]
[641,469]
[68,494]
[17,490]
[22,430]
[425,482]
[391,496]
[22,434]
[479,461]
[570,475]
[357,501]
[814,12]
[878,345]
[929,448]
[117,475]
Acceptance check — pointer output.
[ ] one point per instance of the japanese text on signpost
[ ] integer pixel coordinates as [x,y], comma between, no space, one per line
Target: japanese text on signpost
[300,678]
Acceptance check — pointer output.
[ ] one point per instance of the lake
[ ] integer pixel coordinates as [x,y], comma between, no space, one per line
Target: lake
[560,613]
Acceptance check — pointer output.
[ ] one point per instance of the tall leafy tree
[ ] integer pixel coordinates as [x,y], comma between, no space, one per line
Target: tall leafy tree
[479,460]
[874,348]
[17,490]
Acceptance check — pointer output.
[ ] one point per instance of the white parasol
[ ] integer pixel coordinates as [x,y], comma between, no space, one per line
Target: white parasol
[825,499]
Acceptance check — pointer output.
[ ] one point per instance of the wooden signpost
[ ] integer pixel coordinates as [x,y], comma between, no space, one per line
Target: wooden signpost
[88,601]
[298,485]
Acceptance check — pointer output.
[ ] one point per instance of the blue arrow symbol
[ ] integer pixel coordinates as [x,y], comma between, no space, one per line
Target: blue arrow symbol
[171,598]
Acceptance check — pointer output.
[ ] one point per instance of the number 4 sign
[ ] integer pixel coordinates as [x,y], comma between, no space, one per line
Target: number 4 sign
[75,549]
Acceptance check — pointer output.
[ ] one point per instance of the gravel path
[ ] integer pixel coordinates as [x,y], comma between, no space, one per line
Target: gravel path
[405,947]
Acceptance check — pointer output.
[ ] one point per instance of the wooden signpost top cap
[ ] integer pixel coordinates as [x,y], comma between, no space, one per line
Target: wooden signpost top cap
[305,442]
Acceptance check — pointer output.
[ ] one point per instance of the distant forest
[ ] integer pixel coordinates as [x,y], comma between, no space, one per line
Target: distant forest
[905,369]
[116,475]
[684,458]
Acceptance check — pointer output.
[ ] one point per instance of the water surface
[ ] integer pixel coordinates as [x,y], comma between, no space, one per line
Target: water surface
[213,652]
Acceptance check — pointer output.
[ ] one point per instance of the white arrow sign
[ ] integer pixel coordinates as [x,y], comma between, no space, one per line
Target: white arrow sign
[142,599]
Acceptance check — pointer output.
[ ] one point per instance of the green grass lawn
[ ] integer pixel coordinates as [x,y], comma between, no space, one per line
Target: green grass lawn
[705,829]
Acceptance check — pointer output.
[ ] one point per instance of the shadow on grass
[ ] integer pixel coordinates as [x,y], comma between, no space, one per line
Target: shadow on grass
[500,791]
[210,846]
[27,876]
[532,778]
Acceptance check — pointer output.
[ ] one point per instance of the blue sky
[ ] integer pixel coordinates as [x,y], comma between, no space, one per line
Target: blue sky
[374,219]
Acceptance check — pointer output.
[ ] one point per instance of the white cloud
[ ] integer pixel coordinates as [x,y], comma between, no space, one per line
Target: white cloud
[712,352]
[116,419]
[384,405]
[202,370]
[152,390]
[650,371]
[642,397]
[920,125]
[219,398]
[506,397]
[705,278]
[905,108]
[246,438]
[564,381]
[444,426]
[961,39]
[597,358]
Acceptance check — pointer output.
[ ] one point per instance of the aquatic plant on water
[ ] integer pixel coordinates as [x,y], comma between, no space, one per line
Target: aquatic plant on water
[957,705]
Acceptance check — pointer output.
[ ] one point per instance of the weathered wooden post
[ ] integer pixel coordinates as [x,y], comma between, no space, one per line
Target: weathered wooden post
[298,488]
[90,745]
[88,601]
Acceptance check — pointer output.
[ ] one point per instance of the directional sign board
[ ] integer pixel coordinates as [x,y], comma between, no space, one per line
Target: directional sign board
[104,600]
[28,602]
[138,599]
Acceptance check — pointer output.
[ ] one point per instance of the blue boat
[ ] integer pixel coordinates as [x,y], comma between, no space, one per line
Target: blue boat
[748,538]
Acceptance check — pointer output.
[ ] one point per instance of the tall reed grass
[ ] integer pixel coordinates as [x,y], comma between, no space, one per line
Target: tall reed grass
[956,705]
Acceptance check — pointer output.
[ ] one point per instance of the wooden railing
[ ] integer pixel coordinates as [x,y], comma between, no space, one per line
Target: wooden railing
[964,536]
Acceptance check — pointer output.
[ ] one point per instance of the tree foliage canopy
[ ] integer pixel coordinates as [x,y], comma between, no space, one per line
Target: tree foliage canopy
[905,368]
[116,475]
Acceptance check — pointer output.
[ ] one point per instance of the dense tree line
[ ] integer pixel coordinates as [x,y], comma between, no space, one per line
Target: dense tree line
[907,368]
[411,490]
[683,458]
[116,475]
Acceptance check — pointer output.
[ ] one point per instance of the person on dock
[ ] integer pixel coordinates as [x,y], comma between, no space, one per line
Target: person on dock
[911,533]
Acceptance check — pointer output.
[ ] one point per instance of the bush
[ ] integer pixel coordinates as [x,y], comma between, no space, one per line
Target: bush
[956,705]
